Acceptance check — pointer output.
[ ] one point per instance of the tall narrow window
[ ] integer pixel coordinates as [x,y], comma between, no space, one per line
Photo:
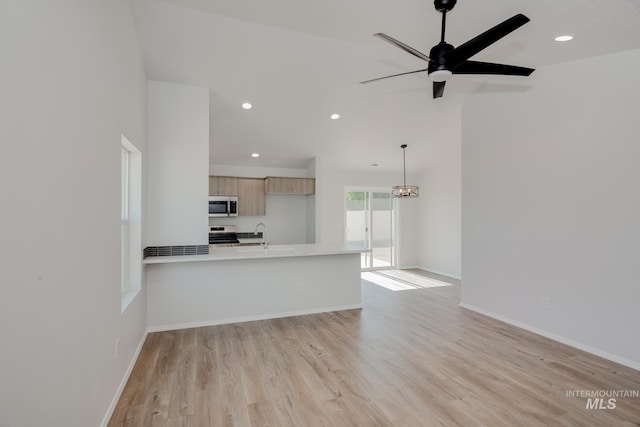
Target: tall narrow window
[130,222]
[124,219]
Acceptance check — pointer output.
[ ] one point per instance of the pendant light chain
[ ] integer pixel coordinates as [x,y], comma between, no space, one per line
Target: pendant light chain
[404,165]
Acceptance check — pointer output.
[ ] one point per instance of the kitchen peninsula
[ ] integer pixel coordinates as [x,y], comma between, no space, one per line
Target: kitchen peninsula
[238,284]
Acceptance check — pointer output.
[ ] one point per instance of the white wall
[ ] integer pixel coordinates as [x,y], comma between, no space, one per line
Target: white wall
[178,171]
[215,292]
[256,171]
[409,219]
[551,237]
[72,83]
[440,245]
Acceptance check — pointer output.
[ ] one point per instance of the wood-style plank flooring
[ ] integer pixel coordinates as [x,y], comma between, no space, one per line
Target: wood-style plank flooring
[408,358]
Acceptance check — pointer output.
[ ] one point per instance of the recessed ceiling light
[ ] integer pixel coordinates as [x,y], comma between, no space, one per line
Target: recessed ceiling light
[255,155]
[247,106]
[563,38]
[335,116]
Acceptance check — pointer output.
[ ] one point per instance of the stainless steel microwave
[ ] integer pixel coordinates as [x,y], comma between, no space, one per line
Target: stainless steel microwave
[223,206]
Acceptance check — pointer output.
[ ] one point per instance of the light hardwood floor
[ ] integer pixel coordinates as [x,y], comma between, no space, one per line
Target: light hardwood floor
[408,358]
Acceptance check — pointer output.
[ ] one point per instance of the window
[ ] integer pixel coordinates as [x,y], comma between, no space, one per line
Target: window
[130,221]
[124,219]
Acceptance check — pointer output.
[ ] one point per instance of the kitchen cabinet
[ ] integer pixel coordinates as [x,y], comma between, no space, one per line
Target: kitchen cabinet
[223,186]
[251,197]
[283,185]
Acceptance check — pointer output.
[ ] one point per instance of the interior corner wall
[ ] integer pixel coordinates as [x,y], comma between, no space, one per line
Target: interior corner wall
[178,164]
[440,228]
[72,82]
[551,237]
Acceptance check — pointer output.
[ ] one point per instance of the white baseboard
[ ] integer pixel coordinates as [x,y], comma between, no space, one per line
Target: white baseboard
[441,273]
[409,267]
[175,326]
[580,346]
[123,383]
[431,271]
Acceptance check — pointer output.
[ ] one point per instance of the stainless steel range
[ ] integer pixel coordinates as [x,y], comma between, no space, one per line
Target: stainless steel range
[223,235]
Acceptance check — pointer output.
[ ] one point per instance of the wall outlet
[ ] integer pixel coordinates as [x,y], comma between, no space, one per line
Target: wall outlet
[117,348]
[545,302]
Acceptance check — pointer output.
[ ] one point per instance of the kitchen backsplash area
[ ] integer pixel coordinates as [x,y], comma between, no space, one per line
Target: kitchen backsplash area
[285,221]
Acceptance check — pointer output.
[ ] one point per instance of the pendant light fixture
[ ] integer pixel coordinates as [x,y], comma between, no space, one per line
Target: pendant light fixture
[405,190]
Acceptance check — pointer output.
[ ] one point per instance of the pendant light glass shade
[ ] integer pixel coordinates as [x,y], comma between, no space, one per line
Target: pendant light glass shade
[405,190]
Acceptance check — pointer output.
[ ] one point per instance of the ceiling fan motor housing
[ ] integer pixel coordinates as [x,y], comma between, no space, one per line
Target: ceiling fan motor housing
[438,62]
[444,5]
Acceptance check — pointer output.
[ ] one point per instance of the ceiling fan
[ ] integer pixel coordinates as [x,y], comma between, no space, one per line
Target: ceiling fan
[445,60]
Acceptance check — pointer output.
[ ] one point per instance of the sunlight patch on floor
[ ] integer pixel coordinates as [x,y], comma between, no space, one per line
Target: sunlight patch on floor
[400,280]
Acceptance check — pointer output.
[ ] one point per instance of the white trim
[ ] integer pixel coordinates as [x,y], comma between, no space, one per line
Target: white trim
[175,326]
[558,338]
[408,267]
[123,383]
[437,272]
[131,238]
[127,297]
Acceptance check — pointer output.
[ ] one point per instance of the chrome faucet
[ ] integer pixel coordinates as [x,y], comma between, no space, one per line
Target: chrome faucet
[264,234]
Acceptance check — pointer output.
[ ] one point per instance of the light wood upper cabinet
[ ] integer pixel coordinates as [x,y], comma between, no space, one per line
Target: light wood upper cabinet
[251,197]
[223,186]
[251,192]
[282,185]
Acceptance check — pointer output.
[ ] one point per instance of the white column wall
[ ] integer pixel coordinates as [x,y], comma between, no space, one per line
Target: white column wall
[178,164]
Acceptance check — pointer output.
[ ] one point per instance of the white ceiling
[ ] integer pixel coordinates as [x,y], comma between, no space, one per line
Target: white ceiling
[298,61]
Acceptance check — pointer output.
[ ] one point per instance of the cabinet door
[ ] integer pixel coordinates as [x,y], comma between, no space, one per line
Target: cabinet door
[308,186]
[223,186]
[276,185]
[251,197]
[282,185]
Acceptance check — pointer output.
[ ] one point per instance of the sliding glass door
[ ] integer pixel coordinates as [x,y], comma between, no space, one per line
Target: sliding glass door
[369,220]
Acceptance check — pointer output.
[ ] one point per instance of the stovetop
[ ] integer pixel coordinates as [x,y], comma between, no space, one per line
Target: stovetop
[223,234]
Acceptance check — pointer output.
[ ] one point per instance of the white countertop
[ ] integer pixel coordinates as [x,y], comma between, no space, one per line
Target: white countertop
[258,252]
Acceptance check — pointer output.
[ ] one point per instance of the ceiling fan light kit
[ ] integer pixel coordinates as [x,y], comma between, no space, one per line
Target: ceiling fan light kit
[405,190]
[444,59]
[440,75]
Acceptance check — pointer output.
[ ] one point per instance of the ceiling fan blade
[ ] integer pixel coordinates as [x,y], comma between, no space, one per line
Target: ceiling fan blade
[402,46]
[466,50]
[395,75]
[475,67]
[438,89]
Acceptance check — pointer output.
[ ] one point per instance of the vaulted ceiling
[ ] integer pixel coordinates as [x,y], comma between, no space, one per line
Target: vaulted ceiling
[299,61]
